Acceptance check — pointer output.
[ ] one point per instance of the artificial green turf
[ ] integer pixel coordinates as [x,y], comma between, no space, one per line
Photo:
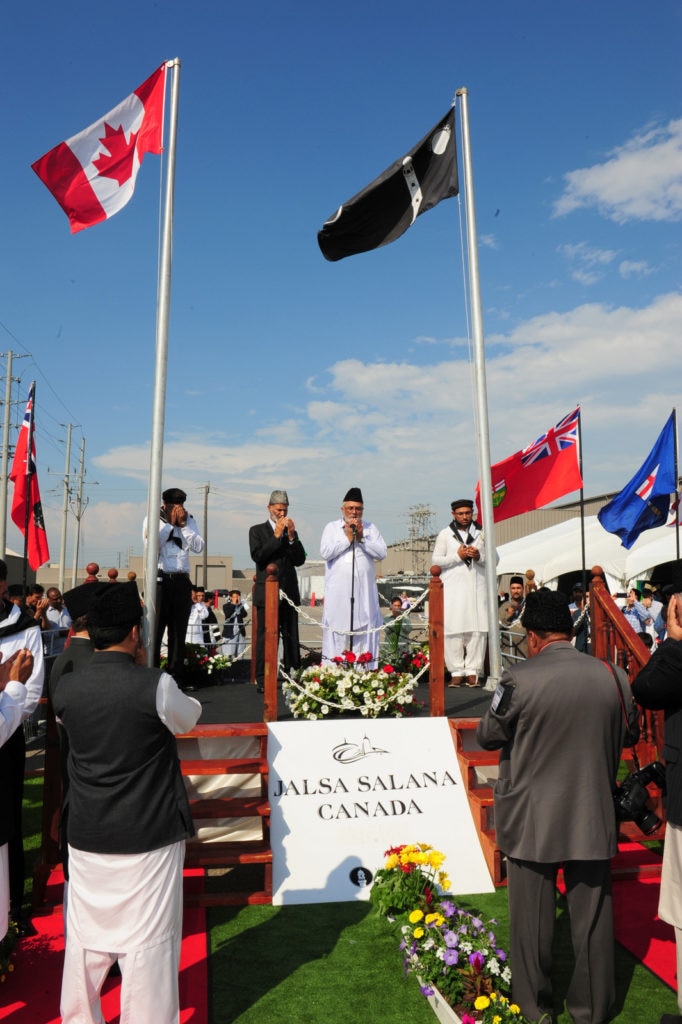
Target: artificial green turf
[339,963]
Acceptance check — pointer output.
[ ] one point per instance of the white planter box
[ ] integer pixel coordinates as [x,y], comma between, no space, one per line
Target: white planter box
[443,1010]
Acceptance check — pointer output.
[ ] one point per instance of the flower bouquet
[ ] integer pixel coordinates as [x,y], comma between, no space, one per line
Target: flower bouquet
[217,663]
[411,877]
[345,685]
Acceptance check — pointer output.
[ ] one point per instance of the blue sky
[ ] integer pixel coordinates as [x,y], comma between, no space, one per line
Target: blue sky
[288,371]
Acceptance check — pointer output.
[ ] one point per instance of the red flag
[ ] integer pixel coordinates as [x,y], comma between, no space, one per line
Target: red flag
[27,492]
[541,473]
[92,175]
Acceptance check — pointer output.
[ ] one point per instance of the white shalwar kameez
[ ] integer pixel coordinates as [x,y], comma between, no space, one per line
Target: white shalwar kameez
[338,583]
[465,602]
[128,907]
[11,711]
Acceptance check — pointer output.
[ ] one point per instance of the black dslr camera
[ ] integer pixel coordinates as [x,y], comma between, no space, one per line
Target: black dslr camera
[631,797]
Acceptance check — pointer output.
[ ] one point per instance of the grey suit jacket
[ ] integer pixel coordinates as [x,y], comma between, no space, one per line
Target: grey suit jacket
[561,736]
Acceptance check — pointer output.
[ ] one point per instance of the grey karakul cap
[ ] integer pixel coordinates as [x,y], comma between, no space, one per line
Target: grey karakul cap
[279,498]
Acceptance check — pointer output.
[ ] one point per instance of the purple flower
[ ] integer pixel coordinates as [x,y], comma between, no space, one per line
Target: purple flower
[476,923]
[426,990]
[447,908]
[500,954]
[477,961]
[450,957]
[450,938]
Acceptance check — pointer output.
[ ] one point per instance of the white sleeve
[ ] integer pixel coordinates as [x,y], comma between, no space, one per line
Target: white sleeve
[191,536]
[440,552]
[34,685]
[178,712]
[374,543]
[334,541]
[11,709]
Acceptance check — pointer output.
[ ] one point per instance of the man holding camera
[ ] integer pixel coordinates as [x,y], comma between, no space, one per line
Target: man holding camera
[559,720]
[658,687]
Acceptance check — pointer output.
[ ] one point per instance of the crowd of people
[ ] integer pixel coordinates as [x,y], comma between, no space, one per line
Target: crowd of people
[559,718]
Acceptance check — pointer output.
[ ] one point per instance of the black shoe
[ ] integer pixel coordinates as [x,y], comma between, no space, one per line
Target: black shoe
[671,1018]
[259,688]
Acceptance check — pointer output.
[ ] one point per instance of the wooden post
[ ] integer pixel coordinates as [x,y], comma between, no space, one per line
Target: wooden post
[271,643]
[436,645]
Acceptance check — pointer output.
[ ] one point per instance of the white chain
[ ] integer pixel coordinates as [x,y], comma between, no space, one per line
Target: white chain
[375,706]
[349,632]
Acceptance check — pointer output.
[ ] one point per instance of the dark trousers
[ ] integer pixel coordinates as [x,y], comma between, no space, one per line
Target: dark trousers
[15,760]
[532,912]
[288,630]
[174,603]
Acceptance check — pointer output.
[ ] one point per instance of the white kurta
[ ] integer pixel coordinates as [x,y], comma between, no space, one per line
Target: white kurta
[338,585]
[11,710]
[464,590]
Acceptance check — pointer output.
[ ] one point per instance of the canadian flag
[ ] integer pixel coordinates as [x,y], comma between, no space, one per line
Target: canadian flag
[92,175]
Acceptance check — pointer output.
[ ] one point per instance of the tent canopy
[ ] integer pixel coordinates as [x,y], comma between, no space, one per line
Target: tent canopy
[557,550]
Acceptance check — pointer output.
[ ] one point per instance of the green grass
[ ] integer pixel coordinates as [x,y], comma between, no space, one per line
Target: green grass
[339,963]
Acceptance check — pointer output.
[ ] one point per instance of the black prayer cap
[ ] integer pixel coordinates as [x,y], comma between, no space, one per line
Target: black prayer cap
[578,585]
[354,494]
[115,606]
[547,611]
[79,599]
[516,579]
[461,503]
[174,496]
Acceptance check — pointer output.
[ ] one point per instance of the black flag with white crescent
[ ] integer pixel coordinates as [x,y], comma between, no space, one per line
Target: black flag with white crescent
[390,204]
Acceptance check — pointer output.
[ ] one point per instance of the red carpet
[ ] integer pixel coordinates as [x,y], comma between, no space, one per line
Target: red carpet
[30,995]
[638,927]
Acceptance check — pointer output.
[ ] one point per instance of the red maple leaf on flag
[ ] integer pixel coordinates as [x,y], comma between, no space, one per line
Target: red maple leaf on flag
[117,163]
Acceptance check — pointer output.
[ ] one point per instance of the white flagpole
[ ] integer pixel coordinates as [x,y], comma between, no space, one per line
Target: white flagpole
[481,402]
[159,406]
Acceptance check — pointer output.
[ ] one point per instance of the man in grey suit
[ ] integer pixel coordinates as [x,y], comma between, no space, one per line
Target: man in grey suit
[560,723]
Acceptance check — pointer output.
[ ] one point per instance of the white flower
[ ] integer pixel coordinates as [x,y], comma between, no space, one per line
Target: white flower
[506,975]
[325,709]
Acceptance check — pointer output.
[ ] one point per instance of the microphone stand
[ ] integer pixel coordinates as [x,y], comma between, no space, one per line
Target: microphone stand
[352,585]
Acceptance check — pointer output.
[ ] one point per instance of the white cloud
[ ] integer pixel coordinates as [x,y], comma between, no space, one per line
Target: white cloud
[634,268]
[641,180]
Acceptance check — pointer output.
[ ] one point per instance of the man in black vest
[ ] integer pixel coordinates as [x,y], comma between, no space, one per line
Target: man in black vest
[128,818]
[659,687]
[277,541]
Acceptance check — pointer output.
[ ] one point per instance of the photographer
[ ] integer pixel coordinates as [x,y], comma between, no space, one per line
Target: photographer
[659,688]
[559,722]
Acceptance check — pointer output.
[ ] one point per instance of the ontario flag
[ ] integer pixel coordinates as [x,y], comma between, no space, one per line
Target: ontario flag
[26,504]
[645,501]
[390,204]
[92,175]
[539,474]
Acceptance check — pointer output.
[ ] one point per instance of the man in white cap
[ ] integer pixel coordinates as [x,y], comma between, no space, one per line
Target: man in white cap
[350,546]
[277,541]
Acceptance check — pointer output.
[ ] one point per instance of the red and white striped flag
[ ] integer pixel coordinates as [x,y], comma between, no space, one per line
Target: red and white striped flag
[26,491]
[92,175]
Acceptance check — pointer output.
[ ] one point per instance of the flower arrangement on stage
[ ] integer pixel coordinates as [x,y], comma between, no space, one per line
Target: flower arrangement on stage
[345,685]
[215,663]
[452,951]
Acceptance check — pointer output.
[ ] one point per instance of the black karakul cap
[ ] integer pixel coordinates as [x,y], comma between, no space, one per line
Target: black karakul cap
[79,599]
[117,605]
[174,496]
[516,579]
[547,610]
[461,503]
[354,494]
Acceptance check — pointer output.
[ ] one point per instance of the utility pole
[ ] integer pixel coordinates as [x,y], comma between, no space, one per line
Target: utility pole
[78,512]
[207,488]
[65,510]
[420,529]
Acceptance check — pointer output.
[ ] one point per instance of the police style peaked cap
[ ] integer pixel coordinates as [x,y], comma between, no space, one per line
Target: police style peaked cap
[354,494]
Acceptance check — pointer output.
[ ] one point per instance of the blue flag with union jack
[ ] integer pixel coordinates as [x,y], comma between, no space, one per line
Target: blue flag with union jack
[644,502]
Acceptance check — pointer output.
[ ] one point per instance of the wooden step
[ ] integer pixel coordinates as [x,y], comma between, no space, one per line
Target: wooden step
[227,854]
[232,807]
[225,766]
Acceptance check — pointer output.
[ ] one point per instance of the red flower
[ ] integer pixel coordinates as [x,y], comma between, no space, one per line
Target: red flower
[428,895]
[338,660]
[394,849]
[350,657]
[388,669]
[364,657]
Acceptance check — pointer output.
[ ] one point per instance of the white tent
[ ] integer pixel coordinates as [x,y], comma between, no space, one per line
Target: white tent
[557,550]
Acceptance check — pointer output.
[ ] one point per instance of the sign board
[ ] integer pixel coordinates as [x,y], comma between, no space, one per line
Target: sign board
[343,791]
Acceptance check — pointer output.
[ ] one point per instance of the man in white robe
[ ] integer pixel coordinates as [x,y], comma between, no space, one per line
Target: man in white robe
[13,674]
[460,552]
[350,546]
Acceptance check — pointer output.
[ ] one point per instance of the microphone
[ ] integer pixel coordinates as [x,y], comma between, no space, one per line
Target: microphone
[353,528]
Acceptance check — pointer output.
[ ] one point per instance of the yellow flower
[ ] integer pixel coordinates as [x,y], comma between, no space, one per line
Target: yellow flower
[497,1019]
[415,916]
[392,862]
[482,1003]
[444,881]
[418,932]
[514,1008]
[10,967]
